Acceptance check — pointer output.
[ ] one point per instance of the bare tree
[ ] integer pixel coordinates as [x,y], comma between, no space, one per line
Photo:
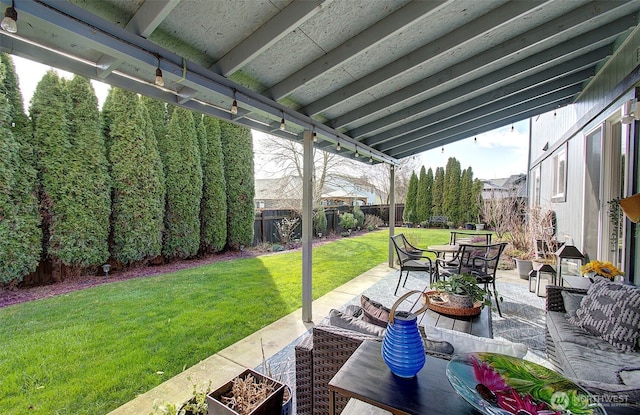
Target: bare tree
[380,178]
[284,158]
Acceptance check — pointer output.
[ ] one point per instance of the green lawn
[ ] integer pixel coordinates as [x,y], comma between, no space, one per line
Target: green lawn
[90,351]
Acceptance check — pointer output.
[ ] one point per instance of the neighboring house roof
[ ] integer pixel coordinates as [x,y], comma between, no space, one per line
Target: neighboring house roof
[277,189]
[506,186]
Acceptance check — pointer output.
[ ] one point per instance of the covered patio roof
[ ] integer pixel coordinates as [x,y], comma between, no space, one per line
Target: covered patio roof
[374,80]
[386,78]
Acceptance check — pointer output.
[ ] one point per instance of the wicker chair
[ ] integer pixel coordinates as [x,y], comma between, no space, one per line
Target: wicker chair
[318,358]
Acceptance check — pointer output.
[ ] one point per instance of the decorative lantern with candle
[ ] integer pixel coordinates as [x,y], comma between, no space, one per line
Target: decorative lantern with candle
[570,259]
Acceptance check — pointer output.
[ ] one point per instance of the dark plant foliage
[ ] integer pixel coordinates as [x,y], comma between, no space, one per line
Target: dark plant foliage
[428,201]
[90,199]
[359,216]
[137,186]
[237,149]
[421,198]
[49,111]
[20,235]
[451,194]
[183,175]
[320,221]
[411,200]
[438,191]
[213,209]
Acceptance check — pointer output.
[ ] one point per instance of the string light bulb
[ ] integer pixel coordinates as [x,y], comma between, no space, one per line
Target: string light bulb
[338,146]
[315,136]
[234,105]
[512,128]
[283,126]
[442,151]
[357,154]
[159,79]
[370,160]
[9,23]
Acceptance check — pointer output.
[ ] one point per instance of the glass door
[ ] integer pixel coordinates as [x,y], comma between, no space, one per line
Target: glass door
[591,246]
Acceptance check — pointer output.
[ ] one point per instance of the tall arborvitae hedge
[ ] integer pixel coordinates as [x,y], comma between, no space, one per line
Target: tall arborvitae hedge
[465,197]
[438,191]
[237,149]
[57,167]
[183,175]
[421,197]
[91,195]
[410,203]
[20,235]
[137,189]
[157,111]
[429,196]
[213,209]
[451,194]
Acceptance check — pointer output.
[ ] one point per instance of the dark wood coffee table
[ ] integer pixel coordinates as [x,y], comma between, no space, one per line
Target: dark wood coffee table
[479,325]
[366,377]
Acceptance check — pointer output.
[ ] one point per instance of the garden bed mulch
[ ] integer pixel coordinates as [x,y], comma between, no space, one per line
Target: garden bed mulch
[19,294]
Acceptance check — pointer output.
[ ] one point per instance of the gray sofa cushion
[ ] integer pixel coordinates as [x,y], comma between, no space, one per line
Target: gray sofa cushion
[581,362]
[561,330]
[611,311]
[571,302]
[339,319]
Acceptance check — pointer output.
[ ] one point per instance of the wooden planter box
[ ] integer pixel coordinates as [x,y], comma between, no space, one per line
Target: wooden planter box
[270,406]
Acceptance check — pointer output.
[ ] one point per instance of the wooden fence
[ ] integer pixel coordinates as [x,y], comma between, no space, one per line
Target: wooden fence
[265,231]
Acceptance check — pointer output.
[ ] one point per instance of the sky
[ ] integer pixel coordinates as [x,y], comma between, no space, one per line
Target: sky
[496,154]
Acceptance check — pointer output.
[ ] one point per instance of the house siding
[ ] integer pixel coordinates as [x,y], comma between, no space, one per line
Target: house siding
[605,95]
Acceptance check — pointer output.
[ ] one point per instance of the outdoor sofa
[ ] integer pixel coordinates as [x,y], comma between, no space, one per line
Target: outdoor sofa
[592,337]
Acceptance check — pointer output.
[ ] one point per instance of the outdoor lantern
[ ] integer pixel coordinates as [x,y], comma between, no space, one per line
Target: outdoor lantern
[106,268]
[570,259]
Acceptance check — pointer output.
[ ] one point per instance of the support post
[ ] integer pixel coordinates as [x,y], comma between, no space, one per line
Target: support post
[307,226]
[392,211]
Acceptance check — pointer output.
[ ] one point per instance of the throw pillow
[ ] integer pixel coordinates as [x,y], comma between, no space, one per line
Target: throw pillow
[468,343]
[571,302]
[374,312]
[339,319]
[612,312]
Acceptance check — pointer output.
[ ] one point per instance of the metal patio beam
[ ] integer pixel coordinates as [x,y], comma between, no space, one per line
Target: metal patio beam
[500,118]
[476,28]
[440,122]
[271,32]
[467,111]
[513,46]
[494,81]
[353,47]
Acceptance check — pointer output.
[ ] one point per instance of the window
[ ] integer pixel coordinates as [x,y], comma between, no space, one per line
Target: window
[559,184]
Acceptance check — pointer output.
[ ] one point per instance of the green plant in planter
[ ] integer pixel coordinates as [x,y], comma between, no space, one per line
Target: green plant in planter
[196,405]
[463,284]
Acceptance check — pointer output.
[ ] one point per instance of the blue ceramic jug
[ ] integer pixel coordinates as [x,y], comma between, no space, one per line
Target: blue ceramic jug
[403,347]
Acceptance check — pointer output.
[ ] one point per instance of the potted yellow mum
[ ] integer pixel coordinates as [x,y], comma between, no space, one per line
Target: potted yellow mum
[604,269]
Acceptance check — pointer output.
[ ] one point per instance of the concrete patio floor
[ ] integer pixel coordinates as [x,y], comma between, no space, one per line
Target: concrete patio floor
[247,353]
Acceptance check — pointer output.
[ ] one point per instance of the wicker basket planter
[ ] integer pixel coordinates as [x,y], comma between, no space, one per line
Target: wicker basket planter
[271,405]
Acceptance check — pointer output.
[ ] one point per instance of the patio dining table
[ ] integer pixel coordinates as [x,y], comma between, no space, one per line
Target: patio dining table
[444,249]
